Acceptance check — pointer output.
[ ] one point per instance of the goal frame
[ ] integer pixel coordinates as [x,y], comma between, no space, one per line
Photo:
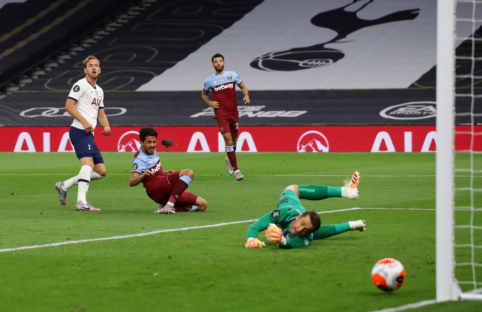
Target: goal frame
[447,287]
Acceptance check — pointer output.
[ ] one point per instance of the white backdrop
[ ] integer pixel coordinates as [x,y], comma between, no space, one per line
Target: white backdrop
[389,55]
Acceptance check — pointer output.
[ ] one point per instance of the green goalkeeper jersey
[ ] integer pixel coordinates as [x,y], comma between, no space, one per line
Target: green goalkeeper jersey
[288,208]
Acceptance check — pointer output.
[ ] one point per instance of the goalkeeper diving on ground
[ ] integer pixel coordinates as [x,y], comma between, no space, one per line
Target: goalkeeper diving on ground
[291,226]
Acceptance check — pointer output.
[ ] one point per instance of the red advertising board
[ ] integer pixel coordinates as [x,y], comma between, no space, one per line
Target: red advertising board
[251,139]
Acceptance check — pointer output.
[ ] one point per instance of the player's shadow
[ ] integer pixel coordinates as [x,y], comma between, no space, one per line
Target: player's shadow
[343,23]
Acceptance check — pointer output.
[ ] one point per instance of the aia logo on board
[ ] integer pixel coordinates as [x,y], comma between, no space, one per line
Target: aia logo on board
[313,141]
[129,142]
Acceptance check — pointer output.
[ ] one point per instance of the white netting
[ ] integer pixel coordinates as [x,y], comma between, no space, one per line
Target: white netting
[468,147]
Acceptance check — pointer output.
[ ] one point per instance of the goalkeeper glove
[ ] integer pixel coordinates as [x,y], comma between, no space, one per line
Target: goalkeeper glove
[254,243]
[275,235]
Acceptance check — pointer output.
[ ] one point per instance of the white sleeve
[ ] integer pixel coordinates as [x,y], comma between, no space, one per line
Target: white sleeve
[76,92]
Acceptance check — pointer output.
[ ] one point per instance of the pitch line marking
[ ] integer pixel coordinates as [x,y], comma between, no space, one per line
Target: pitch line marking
[179,229]
[409,306]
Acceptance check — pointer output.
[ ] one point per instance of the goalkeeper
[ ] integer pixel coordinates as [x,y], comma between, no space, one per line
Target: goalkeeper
[291,226]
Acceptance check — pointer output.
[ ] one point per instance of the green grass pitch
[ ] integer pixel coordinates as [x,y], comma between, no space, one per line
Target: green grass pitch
[208,268]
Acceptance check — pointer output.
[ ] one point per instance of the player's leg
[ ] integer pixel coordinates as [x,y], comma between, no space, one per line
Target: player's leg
[84,183]
[179,180]
[89,156]
[231,148]
[329,230]
[234,135]
[85,149]
[237,172]
[325,230]
[99,171]
[190,202]
[318,192]
[63,187]
[224,128]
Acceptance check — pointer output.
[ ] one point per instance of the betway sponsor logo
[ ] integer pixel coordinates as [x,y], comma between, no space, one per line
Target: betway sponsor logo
[410,111]
[253,111]
[156,169]
[224,86]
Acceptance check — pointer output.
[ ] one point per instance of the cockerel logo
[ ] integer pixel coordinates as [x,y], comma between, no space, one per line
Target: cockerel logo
[313,141]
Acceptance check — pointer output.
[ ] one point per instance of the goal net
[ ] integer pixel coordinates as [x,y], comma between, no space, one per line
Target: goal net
[459,150]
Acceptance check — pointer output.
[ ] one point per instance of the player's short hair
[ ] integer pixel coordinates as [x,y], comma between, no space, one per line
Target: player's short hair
[215,56]
[90,57]
[145,132]
[315,219]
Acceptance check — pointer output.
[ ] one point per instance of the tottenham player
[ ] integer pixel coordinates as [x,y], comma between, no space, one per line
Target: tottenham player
[85,103]
[225,107]
[166,188]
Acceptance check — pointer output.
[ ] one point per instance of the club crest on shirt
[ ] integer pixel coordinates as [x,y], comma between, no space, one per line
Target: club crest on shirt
[76,88]
[230,77]
[275,214]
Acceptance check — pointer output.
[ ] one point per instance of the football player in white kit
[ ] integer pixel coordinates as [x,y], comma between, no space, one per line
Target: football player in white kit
[85,103]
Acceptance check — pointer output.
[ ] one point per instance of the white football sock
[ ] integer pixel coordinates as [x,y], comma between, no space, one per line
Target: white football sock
[70,182]
[84,181]
[95,176]
[74,180]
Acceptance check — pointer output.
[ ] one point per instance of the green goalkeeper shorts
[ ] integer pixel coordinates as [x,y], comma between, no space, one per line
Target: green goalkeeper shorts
[289,199]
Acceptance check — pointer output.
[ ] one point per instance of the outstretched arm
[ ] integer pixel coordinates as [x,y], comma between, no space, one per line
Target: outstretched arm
[260,225]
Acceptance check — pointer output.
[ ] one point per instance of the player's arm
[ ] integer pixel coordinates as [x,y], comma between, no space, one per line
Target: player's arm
[206,99]
[260,225]
[104,122]
[137,178]
[245,92]
[70,107]
[274,234]
[296,242]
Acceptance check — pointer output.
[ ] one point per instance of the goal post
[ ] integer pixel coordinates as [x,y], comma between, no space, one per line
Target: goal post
[445,151]
[455,193]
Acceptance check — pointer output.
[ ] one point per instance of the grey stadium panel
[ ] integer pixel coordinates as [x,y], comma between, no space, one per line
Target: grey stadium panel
[35,30]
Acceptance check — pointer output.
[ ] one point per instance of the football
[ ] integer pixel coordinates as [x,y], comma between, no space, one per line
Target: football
[388,274]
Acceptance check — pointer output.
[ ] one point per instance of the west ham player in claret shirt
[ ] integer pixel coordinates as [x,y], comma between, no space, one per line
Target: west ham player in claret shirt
[222,84]
[85,103]
[166,188]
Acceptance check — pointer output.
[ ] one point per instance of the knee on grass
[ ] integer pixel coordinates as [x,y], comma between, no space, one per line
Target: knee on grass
[201,204]
[187,172]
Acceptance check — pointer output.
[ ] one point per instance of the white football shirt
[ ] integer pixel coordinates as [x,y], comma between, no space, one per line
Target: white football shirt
[89,100]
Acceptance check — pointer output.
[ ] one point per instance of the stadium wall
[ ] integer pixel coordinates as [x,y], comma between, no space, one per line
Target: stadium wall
[251,139]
